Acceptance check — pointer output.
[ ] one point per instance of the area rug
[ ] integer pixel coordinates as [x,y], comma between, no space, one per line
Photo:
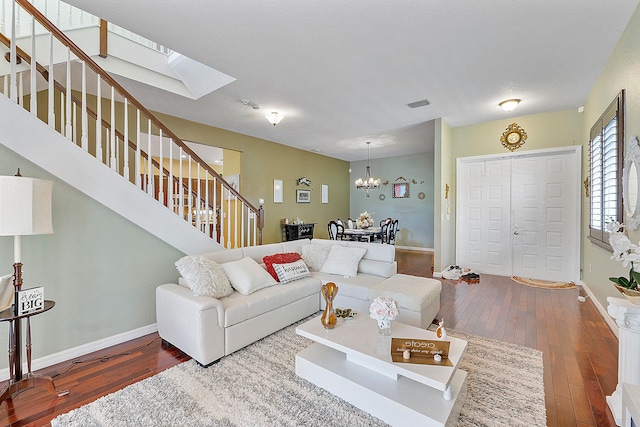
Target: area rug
[537,283]
[257,386]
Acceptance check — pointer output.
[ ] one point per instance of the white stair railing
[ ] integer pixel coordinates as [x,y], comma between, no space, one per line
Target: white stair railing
[93,111]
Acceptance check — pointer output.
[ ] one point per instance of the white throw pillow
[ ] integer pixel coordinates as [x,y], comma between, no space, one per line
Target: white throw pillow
[291,271]
[246,275]
[315,255]
[204,276]
[343,260]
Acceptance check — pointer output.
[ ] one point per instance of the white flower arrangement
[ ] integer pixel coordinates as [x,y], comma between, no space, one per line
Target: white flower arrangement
[364,220]
[383,308]
[625,252]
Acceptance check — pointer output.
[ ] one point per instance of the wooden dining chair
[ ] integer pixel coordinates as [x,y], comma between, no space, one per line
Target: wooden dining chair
[392,231]
[336,231]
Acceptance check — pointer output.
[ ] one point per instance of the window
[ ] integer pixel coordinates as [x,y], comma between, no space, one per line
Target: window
[606,151]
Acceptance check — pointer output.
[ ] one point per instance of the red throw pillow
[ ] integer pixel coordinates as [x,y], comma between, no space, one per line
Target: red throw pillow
[283,258]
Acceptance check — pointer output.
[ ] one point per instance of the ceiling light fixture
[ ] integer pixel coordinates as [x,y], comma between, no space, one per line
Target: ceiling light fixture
[274,117]
[509,104]
[368,183]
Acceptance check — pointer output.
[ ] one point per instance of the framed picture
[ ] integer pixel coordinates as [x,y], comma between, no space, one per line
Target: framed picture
[303,196]
[234,181]
[400,191]
[325,193]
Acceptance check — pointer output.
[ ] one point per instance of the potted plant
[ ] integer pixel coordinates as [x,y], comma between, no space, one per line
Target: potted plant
[627,253]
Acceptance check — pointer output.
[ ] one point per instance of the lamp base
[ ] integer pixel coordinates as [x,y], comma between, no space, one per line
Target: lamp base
[17,283]
[13,389]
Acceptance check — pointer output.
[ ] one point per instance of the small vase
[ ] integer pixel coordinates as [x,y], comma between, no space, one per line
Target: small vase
[384,327]
[329,318]
[441,332]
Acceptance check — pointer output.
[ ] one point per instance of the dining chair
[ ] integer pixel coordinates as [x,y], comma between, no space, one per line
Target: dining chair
[392,231]
[351,224]
[336,231]
[384,227]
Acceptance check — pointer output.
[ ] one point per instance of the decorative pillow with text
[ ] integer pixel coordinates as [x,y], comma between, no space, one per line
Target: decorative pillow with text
[283,258]
[291,271]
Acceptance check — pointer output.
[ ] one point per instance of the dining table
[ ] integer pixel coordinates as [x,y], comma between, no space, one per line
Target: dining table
[369,233]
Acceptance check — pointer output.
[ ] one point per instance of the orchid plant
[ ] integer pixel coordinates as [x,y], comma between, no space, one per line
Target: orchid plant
[625,252]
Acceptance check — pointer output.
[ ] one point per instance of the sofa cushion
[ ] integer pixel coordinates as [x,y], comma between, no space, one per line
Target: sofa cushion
[411,292]
[343,261]
[357,287]
[246,275]
[238,308]
[283,258]
[315,256]
[204,276]
[291,271]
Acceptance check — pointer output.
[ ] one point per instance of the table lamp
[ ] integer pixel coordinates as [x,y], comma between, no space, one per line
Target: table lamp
[25,209]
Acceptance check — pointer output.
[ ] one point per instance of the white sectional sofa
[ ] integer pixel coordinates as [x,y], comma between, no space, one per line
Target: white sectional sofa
[208,328]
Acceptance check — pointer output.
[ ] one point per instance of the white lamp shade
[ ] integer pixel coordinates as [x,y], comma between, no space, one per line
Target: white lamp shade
[25,206]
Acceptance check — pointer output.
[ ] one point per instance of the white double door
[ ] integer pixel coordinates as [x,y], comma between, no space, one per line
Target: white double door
[519,214]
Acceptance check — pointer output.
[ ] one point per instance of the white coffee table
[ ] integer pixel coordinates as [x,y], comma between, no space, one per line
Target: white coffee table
[354,362]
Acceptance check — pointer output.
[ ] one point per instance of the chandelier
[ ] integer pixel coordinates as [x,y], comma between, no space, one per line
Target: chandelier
[367,183]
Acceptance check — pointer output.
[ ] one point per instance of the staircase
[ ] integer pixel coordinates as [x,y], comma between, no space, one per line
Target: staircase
[63,112]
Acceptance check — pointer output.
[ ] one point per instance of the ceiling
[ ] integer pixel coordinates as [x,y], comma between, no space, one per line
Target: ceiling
[343,72]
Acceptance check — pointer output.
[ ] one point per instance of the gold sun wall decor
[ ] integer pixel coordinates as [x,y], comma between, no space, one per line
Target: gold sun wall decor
[514,137]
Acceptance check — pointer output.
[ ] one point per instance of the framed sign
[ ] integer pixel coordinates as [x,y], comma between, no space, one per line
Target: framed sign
[303,196]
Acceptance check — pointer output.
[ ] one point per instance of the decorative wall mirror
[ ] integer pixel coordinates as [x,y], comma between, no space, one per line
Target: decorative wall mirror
[401,191]
[630,184]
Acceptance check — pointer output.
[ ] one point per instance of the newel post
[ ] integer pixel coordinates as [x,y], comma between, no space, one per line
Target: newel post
[260,223]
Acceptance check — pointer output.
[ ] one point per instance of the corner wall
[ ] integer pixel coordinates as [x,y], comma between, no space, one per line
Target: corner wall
[622,71]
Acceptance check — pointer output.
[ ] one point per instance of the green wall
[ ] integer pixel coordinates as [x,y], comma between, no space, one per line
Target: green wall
[622,71]
[263,161]
[101,269]
[546,130]
[444,215]
[414,215]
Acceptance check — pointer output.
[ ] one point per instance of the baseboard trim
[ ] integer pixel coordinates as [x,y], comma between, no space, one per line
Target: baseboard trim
[82,350]
[603,311]
[415,248]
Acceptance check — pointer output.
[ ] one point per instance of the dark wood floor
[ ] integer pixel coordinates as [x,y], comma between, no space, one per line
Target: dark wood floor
[580,352]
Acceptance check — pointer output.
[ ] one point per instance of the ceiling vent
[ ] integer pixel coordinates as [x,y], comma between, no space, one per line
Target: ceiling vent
[421,103]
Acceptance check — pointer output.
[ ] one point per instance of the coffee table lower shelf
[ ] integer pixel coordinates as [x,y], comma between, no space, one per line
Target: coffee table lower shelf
[398,402]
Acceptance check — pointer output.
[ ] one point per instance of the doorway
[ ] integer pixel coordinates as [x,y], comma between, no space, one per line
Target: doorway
[519,214]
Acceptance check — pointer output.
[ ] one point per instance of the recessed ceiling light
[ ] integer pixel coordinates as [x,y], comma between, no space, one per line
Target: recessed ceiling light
[421,103]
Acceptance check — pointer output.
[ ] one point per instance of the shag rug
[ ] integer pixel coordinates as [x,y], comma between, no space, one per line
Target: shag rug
[257,386]
[537,283]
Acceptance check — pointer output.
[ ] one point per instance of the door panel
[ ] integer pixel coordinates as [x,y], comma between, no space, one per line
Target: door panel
[544,214]
[483,231]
